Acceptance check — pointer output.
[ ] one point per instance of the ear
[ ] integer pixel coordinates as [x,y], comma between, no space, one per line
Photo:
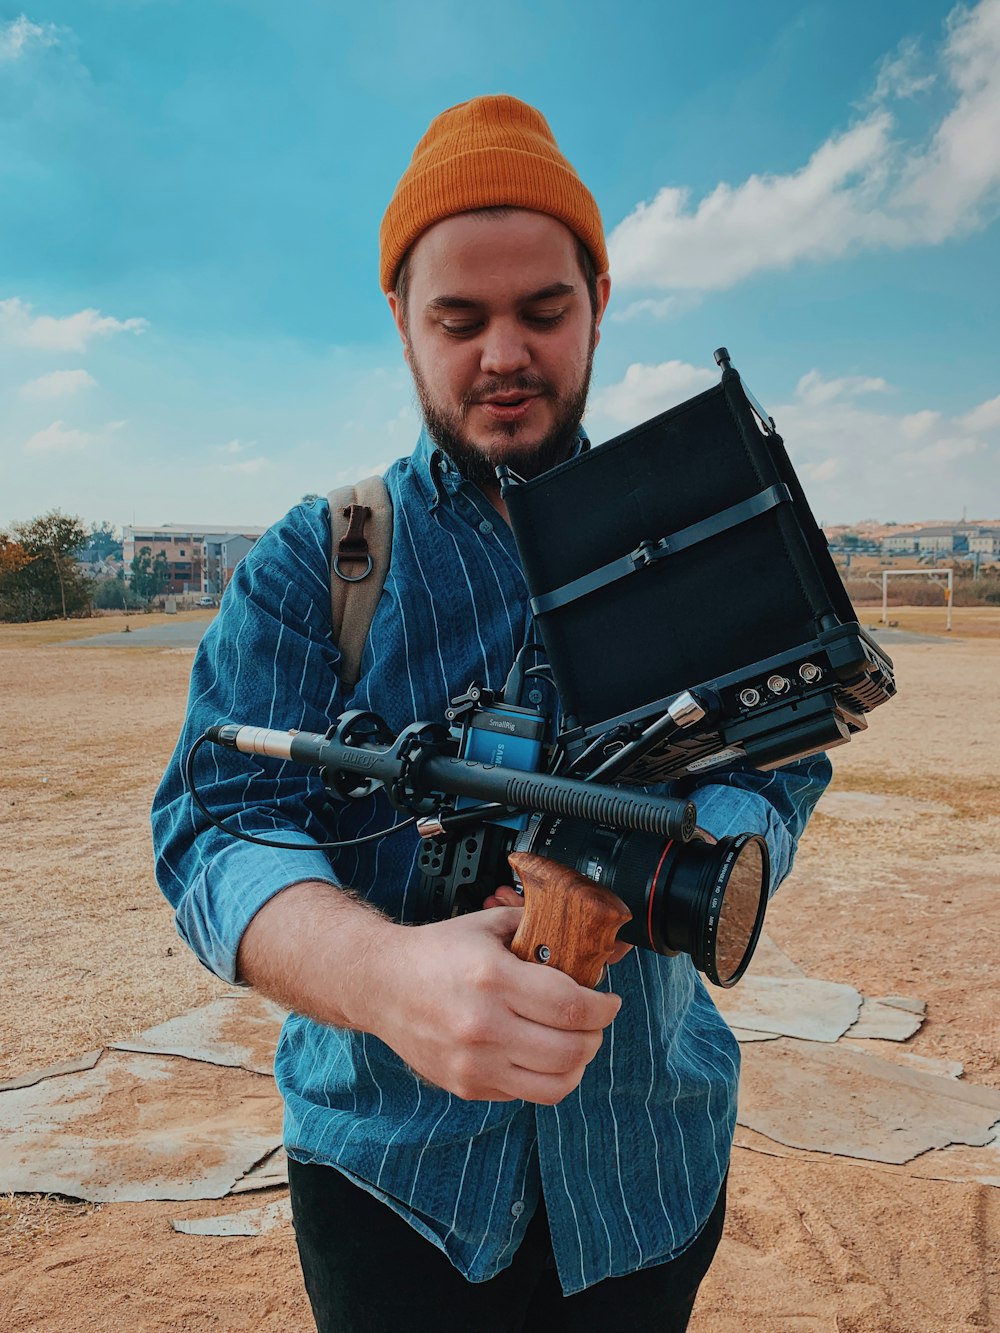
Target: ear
[397,315]
[603,296]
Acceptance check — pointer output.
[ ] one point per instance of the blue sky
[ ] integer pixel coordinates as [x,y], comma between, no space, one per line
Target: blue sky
[191,328]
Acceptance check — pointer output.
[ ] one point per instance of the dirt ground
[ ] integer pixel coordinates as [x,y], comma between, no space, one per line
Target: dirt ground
[905,902]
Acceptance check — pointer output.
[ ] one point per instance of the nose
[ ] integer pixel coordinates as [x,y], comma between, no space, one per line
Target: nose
[504,350]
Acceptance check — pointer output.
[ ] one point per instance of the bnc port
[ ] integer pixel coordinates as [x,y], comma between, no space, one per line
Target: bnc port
[809,672]
[778,684]
[749,697]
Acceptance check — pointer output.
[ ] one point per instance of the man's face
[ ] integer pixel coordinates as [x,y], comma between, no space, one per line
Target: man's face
[499,334]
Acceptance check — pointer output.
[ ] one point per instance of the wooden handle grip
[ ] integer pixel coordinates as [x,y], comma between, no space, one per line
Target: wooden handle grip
[569,921]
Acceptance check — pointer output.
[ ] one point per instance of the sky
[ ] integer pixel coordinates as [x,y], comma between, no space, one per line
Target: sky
[191,326]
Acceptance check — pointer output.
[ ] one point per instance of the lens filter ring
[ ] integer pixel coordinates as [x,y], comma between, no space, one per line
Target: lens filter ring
[734,909]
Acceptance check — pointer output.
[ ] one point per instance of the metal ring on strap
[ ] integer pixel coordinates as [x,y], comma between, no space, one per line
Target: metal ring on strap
[352,578]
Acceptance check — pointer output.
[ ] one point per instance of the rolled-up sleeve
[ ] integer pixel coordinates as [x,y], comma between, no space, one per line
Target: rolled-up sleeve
[776,804]
[266,660]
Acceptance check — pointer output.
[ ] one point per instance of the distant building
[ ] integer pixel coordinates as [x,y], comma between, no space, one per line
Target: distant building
[959,539]
[220,554]
[182,546]
[99,567]
[986,543]
[900,543]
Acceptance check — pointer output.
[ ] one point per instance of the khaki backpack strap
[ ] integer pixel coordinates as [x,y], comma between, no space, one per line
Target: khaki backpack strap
[361,544]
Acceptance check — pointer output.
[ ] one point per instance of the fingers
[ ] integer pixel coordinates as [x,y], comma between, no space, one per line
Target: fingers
[504,896]
[468,1015]
[551,998]
[553,1051]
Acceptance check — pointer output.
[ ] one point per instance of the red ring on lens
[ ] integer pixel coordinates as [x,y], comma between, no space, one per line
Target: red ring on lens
[652,893]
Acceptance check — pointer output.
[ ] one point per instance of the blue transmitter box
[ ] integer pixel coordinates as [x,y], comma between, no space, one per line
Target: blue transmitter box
[508,737]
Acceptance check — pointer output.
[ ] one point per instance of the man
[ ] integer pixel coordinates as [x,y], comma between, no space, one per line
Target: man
[474,1141]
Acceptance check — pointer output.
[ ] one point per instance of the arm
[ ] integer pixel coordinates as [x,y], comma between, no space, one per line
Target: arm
[777,804]
[448,997]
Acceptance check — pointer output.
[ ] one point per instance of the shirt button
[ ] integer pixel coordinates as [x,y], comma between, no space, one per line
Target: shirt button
[517,1208]
[486,526]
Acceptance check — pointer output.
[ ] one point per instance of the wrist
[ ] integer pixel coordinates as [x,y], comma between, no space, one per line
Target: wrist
[370,968]
[319,951]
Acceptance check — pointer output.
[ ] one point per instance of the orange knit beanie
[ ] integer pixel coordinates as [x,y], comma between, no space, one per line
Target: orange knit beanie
[481,154]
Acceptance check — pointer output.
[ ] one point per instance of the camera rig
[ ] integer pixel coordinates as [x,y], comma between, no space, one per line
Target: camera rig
[687,550]
[595,863]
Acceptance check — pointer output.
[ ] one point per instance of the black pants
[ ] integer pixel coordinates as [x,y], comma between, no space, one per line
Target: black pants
[368,1271]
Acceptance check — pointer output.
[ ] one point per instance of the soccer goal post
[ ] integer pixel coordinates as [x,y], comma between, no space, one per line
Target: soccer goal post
[887,574]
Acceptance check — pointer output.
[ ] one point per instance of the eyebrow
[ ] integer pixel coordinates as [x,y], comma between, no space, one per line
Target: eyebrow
[553,290]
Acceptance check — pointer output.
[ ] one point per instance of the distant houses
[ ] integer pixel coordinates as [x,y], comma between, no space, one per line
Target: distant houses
[199,559]
[960,539]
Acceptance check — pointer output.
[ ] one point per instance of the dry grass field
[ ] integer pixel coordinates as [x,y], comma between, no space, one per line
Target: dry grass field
[906,903]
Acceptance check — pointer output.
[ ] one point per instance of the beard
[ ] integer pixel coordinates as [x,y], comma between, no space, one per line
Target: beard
[477,460]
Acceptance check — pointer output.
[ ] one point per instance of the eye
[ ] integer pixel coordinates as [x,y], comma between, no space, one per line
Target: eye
[545,319]
[460,328]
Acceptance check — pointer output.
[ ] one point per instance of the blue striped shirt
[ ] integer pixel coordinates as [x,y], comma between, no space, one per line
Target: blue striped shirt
[631,1162]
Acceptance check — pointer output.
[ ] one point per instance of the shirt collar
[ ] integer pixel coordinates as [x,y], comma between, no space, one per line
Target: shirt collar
[439,478]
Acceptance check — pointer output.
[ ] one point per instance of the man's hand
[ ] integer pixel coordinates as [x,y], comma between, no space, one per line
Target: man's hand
[448,997]
[453,1002]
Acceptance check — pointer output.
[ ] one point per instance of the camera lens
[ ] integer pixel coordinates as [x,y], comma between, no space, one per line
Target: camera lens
[703,899]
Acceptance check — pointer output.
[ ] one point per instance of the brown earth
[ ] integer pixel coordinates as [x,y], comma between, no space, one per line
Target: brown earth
[899,901]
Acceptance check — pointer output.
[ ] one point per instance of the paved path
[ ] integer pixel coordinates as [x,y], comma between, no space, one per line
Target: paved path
[179,634]
[187,634]
[884,635]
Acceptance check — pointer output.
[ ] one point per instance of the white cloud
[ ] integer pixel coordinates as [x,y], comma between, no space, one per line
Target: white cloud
[825,470]
[657,307]
[908,466]
[236,464]
[814,389]
[862,188]
[899,74]
[946,450]
[19,327]
[20,35]
[58,384]
[984,417]
[59,439]
[647,390]
[918,423]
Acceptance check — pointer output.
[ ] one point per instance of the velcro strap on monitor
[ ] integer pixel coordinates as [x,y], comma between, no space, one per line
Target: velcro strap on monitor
[649,552]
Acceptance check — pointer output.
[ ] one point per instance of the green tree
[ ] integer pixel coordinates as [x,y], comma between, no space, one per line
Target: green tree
[112,593]
[150,574]
[102,541]
[50,583]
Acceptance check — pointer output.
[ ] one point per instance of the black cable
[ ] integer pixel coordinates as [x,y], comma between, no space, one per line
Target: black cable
[544,671]
[267,842]
[511,692]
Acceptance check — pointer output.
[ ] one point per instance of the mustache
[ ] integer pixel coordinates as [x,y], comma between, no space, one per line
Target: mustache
[494,384]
